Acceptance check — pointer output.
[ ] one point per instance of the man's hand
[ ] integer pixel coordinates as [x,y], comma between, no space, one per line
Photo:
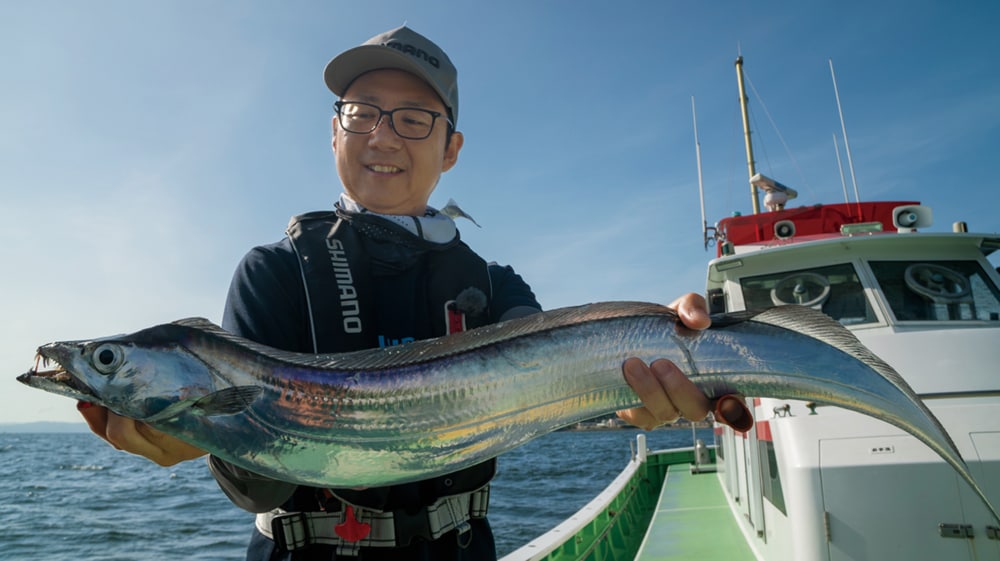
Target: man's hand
[137,437]
[666,393]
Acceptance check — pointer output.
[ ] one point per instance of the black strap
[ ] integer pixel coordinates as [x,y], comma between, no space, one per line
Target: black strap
[366,277]
[335,280]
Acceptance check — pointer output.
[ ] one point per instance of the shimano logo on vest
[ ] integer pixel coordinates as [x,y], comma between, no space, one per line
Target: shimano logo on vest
[413,51]
[350,309]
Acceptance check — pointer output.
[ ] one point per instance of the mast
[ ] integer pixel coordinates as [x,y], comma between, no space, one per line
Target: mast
[746,133]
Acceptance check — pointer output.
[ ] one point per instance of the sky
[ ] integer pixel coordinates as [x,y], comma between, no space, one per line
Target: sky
[146,146]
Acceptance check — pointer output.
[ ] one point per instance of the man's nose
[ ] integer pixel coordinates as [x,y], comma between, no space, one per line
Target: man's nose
[384,134]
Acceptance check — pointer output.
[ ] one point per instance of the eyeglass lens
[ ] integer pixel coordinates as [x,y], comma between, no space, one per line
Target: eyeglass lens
[408,122]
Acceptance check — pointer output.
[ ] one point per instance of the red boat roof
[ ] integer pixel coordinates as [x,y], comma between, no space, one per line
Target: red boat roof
[817,220]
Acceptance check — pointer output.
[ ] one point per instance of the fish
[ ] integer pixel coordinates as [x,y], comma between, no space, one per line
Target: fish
[427,408]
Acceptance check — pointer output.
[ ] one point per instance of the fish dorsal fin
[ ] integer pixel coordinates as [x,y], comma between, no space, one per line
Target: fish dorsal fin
[816,324]
[198,322]
[469,341]
[432,349]
[209,329]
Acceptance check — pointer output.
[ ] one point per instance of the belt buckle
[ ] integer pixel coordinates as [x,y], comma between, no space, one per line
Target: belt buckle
[296,522]
[408,526]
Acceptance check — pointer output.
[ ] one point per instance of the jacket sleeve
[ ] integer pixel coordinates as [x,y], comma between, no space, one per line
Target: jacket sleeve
[266,304]
[247,490]
[266,301]
[512,297]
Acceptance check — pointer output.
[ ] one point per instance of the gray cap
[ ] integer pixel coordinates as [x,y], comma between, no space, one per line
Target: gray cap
[402,49]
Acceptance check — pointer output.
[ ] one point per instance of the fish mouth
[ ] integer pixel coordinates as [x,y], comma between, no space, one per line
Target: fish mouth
[47,373]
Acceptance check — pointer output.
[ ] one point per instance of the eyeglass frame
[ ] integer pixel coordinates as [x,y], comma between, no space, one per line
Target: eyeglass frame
[337,106]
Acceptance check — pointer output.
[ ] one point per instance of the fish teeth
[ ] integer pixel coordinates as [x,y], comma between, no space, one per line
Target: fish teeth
[46,367]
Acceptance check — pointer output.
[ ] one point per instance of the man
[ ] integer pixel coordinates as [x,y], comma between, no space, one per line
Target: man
[383,268]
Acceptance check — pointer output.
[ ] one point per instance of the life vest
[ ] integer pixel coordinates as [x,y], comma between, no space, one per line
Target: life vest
[370,282]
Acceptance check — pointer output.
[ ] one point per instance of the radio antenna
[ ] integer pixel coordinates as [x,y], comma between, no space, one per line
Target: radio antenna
[701,188]
[840,168]
[843,128]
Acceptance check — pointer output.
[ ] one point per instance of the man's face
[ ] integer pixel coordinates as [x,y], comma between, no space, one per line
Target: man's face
[382,171]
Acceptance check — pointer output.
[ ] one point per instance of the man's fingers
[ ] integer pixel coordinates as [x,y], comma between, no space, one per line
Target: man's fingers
[732,410]
[689,401]
[123,433]
[639,417]
[650,391]
[137,437]
[692,309]
[666,393]
[96,417]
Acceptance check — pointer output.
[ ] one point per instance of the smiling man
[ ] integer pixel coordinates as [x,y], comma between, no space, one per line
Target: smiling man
[383,268]
[376,161]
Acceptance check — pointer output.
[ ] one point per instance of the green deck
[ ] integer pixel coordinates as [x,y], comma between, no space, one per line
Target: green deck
[688,514]
[693,521]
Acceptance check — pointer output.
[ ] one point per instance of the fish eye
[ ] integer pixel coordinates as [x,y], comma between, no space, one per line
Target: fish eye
[107,358]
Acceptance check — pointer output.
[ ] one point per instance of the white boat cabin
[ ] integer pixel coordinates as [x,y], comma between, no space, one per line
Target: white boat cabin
[819,482]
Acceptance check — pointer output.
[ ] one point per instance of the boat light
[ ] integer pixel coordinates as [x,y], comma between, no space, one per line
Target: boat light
[860,228]
[725,266]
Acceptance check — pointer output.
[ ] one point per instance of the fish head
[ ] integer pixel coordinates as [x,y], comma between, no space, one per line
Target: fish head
[146,375]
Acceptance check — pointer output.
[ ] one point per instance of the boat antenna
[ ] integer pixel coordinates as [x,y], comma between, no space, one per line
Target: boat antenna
[701,188]
[840,168]
[847,145]
[746,133]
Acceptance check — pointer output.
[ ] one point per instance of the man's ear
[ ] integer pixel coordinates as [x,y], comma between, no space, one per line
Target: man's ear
[451,151]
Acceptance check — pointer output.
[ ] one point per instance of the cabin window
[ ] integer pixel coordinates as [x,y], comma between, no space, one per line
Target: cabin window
[770,477]
[938,290]
[836,290]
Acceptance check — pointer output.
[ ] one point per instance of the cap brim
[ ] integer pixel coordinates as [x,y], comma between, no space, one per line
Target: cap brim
[350,64]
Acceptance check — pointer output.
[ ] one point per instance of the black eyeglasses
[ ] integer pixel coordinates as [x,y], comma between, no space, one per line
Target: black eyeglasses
[408,122]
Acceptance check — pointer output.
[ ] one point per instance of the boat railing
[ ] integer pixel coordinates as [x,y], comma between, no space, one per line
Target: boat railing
[615,521]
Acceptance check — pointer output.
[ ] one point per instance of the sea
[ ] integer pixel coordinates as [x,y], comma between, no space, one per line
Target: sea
[70,496]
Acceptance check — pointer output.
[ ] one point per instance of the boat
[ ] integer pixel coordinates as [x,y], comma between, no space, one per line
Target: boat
[811,481]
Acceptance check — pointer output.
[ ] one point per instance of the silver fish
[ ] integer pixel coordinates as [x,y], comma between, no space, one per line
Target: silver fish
[406,413]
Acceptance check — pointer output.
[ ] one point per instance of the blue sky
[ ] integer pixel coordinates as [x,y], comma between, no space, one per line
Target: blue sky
[145,147]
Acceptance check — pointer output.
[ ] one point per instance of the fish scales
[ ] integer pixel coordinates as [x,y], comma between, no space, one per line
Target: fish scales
[448,390]
[427,408]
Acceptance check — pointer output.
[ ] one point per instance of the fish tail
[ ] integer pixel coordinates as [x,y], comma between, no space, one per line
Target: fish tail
[819,326]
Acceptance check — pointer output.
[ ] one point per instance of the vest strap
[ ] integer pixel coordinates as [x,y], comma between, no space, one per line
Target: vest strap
[296,530]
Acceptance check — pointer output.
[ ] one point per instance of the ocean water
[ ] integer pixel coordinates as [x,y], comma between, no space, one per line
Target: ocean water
[66,497]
